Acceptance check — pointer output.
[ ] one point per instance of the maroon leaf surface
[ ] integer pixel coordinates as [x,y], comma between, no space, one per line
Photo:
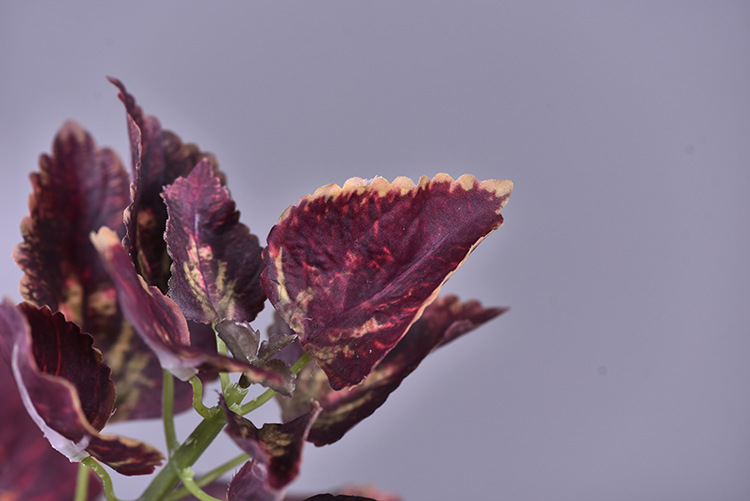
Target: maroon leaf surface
[29,468]
[78,189]
[161,324]
[216,260]
[66,388]
[276,450]
[443,321]
[159,157]
[350,269]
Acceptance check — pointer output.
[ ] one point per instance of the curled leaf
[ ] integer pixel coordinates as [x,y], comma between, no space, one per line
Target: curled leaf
[216,260]
[443,321]
[350,269]
[29,467]
[66,388]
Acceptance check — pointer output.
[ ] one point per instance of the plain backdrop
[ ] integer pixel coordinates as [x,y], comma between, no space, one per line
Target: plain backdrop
[621,371]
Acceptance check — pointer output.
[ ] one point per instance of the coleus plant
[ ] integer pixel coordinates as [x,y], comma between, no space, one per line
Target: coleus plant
[129,285]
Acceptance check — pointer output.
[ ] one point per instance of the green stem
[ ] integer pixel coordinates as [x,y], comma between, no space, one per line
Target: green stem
[196,444]
[93,464]
[198,405]
[209,477]
[257,402]
[184,457]
[187,475]
[221,347]
[300,363]
[168,411]
[82,483]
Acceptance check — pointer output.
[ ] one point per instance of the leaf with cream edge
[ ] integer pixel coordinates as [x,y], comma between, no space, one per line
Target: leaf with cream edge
[161,324]
[78,188]
[159,157]
[351,268]
[66,388]
[216,260]
[446,319]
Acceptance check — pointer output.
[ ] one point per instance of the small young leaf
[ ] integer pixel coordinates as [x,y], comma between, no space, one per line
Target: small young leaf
[216,260]
[350,269]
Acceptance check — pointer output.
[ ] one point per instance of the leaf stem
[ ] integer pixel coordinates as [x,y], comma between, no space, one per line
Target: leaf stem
[300,363]
[256,402]
[184,456]
[93,464]
[198,404]
[168,411]
[82,483]
[196,444]
[221,348]
[209,477]
[187,475]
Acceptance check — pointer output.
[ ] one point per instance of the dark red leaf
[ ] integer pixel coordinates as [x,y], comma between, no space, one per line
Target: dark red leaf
[29,468]
[216,260]
[66,389]
[444,320]
[276,450]
[78,189]
[161,324]
[350,269]
[159,157]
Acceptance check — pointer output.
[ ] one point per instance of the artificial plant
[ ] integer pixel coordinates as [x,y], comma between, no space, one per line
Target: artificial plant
[139,292]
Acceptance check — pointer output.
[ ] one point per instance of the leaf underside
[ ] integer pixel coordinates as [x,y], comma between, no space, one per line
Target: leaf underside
[65,384]
[443,321]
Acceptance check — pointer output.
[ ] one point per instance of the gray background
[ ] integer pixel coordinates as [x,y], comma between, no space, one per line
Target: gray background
[621,371]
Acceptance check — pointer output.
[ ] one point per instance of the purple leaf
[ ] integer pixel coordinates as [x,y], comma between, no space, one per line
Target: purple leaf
[443,321]
[78,189]
[276,450]
[66,388]
[29,467]
[216,260]
[159,157]
[161,324]
[350,269]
